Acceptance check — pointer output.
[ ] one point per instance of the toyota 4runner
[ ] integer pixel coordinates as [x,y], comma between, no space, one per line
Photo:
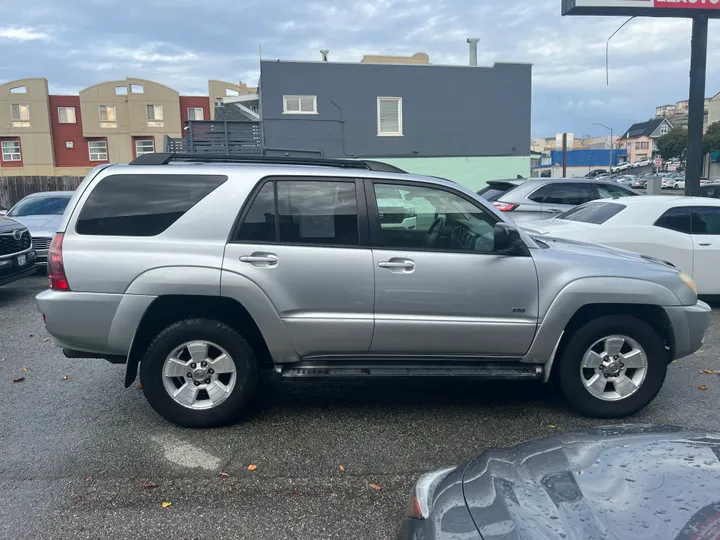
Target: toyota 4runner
[202,272]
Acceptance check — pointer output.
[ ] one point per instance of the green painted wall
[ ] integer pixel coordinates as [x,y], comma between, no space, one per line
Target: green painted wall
[471,172]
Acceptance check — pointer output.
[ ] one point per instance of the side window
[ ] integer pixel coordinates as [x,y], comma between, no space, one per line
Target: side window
[142,204]
[414,217]
[318,212]
[675,219]
[708,192]
[259,223]
[539,195]
[608,192]
[706,220]
[570,194]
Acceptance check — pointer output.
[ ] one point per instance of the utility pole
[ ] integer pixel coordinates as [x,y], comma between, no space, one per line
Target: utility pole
[564,151]
[696,112]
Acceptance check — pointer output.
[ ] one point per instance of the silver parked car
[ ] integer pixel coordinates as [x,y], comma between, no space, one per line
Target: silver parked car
[41,213]
[540,198]
[204,273]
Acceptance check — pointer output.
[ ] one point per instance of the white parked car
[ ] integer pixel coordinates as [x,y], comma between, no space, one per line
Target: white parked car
[684,231]
[642,163]
[622,167]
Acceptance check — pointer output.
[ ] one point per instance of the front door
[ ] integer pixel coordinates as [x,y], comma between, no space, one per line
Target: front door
[299,241]
[706,248]
[439,288]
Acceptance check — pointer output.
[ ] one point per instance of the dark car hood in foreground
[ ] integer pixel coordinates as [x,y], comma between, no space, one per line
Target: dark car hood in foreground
[631,482]
[9,225]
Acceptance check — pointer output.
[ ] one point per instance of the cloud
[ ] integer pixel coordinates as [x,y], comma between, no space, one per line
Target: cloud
[22,33]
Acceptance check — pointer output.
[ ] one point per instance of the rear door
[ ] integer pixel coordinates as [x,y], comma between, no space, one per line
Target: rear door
[709,191]
[706,244]
[566,195]
[303,241]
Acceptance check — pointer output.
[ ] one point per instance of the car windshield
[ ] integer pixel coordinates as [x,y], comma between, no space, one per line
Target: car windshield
[595,213]
[38,206]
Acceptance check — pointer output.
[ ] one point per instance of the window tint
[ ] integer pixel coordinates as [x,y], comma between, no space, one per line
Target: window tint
[259,222]
[495,190]
[708,192]
[705,220]
[596,213]
[569,193]
[142,205]
[430,218]
[675,219]
[318,212]
[608,192]
[539,195]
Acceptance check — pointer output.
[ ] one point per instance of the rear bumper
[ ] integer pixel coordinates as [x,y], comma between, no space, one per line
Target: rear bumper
[690,325]
[104,324]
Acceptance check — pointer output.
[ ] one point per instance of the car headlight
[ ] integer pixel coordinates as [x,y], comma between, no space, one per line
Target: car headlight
[688,281]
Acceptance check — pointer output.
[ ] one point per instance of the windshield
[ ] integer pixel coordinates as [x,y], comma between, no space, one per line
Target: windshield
[38,206]
[595,213]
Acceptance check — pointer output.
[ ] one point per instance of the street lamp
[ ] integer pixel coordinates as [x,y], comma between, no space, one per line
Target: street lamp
[611,145]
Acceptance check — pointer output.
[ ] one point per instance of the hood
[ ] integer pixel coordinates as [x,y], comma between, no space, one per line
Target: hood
[548,226]
[625,482]
[9,225]
[42,225]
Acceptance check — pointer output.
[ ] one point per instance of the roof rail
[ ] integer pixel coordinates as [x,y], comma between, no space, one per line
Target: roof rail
[163,158]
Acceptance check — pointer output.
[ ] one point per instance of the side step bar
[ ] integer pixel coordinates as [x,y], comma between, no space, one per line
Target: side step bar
[496,371]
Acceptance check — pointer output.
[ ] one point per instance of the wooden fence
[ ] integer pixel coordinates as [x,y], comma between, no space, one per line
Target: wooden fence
[14,188]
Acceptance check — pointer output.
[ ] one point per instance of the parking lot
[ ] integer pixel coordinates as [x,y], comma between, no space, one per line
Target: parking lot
[86,458]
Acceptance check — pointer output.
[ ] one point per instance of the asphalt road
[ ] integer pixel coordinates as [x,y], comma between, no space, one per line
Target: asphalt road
[79,457]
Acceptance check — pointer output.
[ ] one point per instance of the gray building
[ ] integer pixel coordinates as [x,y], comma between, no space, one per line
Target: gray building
[466,123]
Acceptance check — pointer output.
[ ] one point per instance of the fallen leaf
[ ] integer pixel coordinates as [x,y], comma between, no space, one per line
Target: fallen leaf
[46,340]
[224,474]
[64,378]
[26,370]
[342,468]
[165,504]
[702,387]
[376,487]
[674,361]
[706,371]
[87,478]
[18,379]
[140,386]
[252,467]
[149,485]
[552,426]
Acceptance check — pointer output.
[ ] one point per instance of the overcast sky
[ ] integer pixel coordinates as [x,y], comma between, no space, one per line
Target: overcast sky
[183,43]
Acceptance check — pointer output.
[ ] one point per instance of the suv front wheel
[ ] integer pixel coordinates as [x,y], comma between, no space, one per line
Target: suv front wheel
[613,366]
[199,373]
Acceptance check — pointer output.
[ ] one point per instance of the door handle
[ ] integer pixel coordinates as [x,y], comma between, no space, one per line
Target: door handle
[705,244]
[398,264]
[267,259]
[553,211]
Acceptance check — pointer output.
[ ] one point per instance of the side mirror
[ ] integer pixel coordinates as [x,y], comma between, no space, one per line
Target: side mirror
[508,241]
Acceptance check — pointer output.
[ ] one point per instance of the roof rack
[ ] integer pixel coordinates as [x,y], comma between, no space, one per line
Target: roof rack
[163,158]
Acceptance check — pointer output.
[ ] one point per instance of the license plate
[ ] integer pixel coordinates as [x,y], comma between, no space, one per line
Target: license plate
[22,260]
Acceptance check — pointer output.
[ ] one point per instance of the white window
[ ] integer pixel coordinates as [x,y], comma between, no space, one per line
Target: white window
[108,118]
[20,115]
[137,89]
[11,151]
[121,91]
[155,115]
[299,104]
[196,113]
[98,150]
[66,115]
[19,90]
[146,146]
[389,116]
[229,92]
[664,129]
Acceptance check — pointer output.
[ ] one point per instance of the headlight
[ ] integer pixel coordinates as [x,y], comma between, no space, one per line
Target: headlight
[688,281]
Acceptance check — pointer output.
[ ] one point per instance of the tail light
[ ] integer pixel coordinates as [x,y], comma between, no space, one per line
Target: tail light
[56,269]
[505,207]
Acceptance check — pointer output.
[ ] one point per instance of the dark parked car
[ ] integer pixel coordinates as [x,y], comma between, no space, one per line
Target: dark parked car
[17,257]
[542,198]
[595,172]
[623,482]
[711,191]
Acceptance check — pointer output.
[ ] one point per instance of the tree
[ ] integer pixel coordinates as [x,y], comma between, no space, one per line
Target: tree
[711,140]
[673,143]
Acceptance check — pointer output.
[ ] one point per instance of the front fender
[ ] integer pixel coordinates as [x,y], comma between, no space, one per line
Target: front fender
[589,291]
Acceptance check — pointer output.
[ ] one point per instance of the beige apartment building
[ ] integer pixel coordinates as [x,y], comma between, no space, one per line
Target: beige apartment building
[114,121]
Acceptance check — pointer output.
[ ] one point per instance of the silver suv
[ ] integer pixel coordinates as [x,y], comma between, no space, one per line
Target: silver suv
[203,273]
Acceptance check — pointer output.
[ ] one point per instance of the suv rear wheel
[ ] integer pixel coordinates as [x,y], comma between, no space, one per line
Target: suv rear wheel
[613,367]
[199,373]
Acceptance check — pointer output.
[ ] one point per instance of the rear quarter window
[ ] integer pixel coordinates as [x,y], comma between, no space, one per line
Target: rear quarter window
[494,190]
[676,219]
[142,204]
[594,213]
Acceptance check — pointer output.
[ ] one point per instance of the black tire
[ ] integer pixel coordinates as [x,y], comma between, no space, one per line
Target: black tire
[569,378]
[217,332]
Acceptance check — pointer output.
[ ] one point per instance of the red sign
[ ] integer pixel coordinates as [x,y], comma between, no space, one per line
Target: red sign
[658,163]
[642,8]
[688,4]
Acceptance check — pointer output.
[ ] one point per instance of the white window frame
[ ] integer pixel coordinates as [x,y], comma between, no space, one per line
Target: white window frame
[158,120]
[137,89]
[195,109]
[22,120]
[11,155]
[98,155]
[121,90]
[664,129]
[399,133]
[139,152]
[299,98]
[110,120]
[67,115]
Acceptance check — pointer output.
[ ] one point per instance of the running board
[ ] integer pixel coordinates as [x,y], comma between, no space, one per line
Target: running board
[497,371]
